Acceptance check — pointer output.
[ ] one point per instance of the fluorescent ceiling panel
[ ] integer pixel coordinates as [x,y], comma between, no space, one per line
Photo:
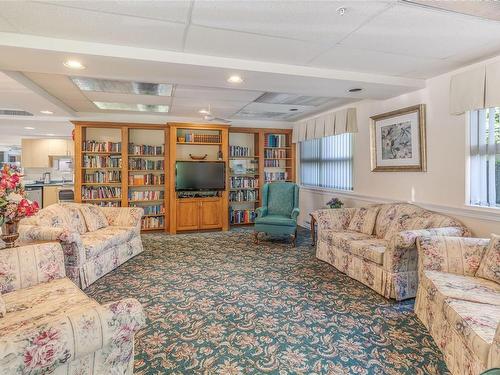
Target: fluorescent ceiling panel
[122,87]
[132,107]
[292,99]
[14,112]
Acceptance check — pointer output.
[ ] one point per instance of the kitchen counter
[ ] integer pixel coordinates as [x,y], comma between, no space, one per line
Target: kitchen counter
[52,183]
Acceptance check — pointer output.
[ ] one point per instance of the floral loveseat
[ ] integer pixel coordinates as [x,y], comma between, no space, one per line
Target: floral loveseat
[376,245]
[49,326]
[95,240]
[459,302]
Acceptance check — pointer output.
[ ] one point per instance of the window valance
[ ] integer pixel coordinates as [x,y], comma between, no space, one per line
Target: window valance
[331,123]
[475,89]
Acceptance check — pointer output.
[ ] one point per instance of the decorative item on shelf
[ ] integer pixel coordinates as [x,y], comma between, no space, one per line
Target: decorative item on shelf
[181,139]
[13,204]
[398,140]
[198,157]
[335,203]
[219,155]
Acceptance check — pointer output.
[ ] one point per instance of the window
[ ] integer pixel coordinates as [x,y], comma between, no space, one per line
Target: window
[485,157]
[327,162]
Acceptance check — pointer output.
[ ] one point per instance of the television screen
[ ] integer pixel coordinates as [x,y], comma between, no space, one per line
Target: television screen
[196,175]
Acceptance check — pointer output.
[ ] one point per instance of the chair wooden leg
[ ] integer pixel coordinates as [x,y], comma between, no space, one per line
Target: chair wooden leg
[256,237]
[294,239]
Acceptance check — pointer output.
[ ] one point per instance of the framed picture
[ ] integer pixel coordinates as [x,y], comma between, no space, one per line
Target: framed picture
[398,140]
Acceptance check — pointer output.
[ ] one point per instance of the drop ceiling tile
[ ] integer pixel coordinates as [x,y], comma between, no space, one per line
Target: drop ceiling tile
[4,25]
[213,93]
[70,23]
[203,40]
[188,111]
[299,20]
[126,98]
[422,32]
[199,103]
[173,11]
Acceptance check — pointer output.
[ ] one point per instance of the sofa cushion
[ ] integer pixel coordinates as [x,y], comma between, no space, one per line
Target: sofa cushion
[276,220]
[370,249]
[94,217]
[75,217]
[466,288]
[490,264]
[41,303]
[280,199]
[54,215]
[344,239]
[475,322]
[95,242]
[364,219]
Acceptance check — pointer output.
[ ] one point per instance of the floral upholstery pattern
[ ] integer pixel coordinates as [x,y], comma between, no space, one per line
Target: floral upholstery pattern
[94,217]
[88,255]
[461,311]
[490,264]
[387,260]
[53,327]
[364,219]
[3,309]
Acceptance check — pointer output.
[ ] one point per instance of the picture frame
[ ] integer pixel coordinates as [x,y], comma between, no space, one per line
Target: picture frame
[398,140]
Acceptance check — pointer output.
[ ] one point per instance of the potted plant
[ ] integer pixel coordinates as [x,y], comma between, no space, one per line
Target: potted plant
[335,203]
[13,204]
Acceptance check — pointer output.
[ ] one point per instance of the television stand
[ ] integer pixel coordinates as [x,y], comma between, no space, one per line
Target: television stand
[197,194]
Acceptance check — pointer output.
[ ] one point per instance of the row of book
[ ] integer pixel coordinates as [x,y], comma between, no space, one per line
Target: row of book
[276,140]
[94,161]
[134,149]
[156,222]
[274,163]
[243,182]
[146,179]
[201,138]
[146,195]
[101,192]
[94,146]
[109,204]
[146,165]
[275,176]
[102,177]
[155,209]
[235,151]
[274,154]
[241,216]
[243,195]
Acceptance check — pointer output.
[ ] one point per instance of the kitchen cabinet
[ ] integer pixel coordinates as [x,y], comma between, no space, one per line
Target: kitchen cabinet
[36,153]
[50,195]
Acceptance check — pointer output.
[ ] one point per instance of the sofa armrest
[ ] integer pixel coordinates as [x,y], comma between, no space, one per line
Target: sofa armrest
[261,211]
[29,265]
[401,252]
[494,355]
[71,242]
[333,218]
[295,213]
[124,216]
[41,349]
[458,255]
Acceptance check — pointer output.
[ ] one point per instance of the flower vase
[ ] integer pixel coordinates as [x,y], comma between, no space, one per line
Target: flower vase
[10,233]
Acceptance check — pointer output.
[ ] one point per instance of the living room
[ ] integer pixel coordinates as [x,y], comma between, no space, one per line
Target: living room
[249,187]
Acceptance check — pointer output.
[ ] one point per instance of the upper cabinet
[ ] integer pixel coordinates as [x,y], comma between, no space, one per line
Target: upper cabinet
[37,153]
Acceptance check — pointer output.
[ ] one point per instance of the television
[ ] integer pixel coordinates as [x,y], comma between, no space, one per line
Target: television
[200,175]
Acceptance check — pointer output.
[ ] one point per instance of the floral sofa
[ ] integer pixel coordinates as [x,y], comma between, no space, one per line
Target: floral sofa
[458,302]
[49,326]
[376,245]
[95,240]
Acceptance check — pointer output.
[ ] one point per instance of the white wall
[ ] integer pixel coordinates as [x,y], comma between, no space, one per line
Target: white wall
[441,188]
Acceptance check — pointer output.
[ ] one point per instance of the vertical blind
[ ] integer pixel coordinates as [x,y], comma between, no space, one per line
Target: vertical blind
[327,162]
[485,157]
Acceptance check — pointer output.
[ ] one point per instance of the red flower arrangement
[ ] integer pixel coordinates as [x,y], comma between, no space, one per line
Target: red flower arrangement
[13,204]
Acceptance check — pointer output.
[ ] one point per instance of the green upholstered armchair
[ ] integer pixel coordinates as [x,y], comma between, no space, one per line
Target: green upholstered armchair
[279,211]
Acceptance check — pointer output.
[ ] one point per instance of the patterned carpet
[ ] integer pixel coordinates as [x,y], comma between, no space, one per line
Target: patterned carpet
[218,304]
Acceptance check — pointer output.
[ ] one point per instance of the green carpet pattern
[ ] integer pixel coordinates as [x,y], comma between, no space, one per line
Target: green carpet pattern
[218,304]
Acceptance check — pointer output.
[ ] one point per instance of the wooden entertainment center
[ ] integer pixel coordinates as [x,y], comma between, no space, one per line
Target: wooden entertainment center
[125,164]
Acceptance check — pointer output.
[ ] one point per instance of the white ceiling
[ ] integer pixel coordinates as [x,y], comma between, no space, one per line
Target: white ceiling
[386,47]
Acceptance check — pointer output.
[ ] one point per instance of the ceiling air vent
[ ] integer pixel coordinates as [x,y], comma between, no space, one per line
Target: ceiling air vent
[292,99]
[122,87]
[14,112]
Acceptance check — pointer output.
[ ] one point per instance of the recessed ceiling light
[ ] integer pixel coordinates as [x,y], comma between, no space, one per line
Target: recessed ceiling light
[235,79]
[45,112]
[74,64]
[29,128]
[204,112]
[356,89]
[133,107]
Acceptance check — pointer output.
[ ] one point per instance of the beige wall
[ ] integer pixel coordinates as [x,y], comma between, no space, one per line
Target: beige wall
[441,188]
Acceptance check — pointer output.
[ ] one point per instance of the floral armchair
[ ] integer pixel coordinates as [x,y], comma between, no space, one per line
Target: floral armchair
[48,325]
[458,303]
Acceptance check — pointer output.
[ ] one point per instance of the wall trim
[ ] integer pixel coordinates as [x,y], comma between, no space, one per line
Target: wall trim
[473,212]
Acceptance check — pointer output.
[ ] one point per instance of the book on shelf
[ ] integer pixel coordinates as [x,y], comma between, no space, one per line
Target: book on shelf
[156,222]
[242,216]
[243,195]
[276,140]
[146,150]
[275,154]
[276,176]
[94,146]
[146,165]
[96,161]
[101,192]
[146,179]
[200,138]
[108,204]
[155,209]
[243,182]
[146,195]
[275,163]
[102,177]
[235,151]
